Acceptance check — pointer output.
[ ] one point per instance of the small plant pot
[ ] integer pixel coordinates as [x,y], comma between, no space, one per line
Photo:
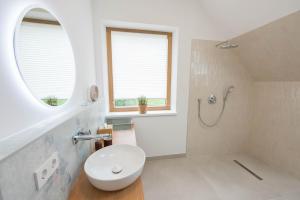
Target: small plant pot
[143,109]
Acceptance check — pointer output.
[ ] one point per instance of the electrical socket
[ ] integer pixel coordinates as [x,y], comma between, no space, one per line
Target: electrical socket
[46,170]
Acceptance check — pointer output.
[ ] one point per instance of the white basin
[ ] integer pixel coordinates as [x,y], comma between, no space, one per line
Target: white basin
[115,167]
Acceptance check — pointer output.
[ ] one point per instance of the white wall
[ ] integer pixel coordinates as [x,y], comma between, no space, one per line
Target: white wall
[19,109]
[235,17]
[161,135]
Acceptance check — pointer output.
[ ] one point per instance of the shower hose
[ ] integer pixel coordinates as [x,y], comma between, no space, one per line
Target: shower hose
[217,120]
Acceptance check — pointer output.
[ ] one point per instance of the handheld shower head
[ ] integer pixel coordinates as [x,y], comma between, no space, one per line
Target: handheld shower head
[228,90]
[212,100]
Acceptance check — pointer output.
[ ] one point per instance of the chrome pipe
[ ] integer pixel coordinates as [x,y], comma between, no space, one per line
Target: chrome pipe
[81,137]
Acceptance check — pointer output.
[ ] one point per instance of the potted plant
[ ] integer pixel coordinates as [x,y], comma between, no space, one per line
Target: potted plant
[142,101]
[51,101]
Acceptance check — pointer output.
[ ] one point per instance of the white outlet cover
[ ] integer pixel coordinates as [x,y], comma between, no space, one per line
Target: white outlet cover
[46,170]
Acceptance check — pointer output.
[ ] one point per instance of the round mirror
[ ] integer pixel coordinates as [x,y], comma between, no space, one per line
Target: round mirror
[45,58]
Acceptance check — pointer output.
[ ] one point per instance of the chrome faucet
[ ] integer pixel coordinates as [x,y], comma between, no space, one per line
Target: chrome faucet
[87,135]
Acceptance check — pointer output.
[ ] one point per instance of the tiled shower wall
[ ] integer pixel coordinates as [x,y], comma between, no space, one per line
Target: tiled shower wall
[275,135]
[271,53]
[16,171]
[260,118]
[213,70]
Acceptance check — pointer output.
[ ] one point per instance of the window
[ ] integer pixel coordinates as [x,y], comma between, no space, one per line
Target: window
[139,63]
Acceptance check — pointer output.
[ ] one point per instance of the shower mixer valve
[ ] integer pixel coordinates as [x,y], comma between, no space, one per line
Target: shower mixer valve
[212,99]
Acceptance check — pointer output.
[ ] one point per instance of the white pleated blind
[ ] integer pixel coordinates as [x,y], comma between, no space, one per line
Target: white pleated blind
[139,63]
[45,60]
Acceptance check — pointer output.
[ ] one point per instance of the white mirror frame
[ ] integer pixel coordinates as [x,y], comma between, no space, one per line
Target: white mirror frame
[16,30]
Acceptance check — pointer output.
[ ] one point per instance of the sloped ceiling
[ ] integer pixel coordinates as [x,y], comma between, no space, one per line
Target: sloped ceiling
[268,32]
[272,52]
[235,17]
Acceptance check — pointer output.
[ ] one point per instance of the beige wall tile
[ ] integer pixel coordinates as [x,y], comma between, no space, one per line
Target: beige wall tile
[213,70]
[271,53]
[275,136]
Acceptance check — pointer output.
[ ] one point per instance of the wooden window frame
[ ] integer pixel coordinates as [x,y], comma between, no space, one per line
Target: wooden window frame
[112,107]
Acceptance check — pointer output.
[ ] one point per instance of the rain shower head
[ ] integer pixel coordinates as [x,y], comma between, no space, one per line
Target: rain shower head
[226,45]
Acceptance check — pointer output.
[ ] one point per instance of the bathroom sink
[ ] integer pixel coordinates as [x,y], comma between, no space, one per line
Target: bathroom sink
[115,167]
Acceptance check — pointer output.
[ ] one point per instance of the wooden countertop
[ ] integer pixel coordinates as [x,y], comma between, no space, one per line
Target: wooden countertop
[83,190]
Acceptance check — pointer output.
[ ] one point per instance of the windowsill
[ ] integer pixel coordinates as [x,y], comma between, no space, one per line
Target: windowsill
[112,115]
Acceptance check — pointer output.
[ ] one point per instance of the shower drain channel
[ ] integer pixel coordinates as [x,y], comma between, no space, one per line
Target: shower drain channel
[248,170]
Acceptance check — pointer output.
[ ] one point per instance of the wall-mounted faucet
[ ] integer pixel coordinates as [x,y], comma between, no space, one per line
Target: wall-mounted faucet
[87,135]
